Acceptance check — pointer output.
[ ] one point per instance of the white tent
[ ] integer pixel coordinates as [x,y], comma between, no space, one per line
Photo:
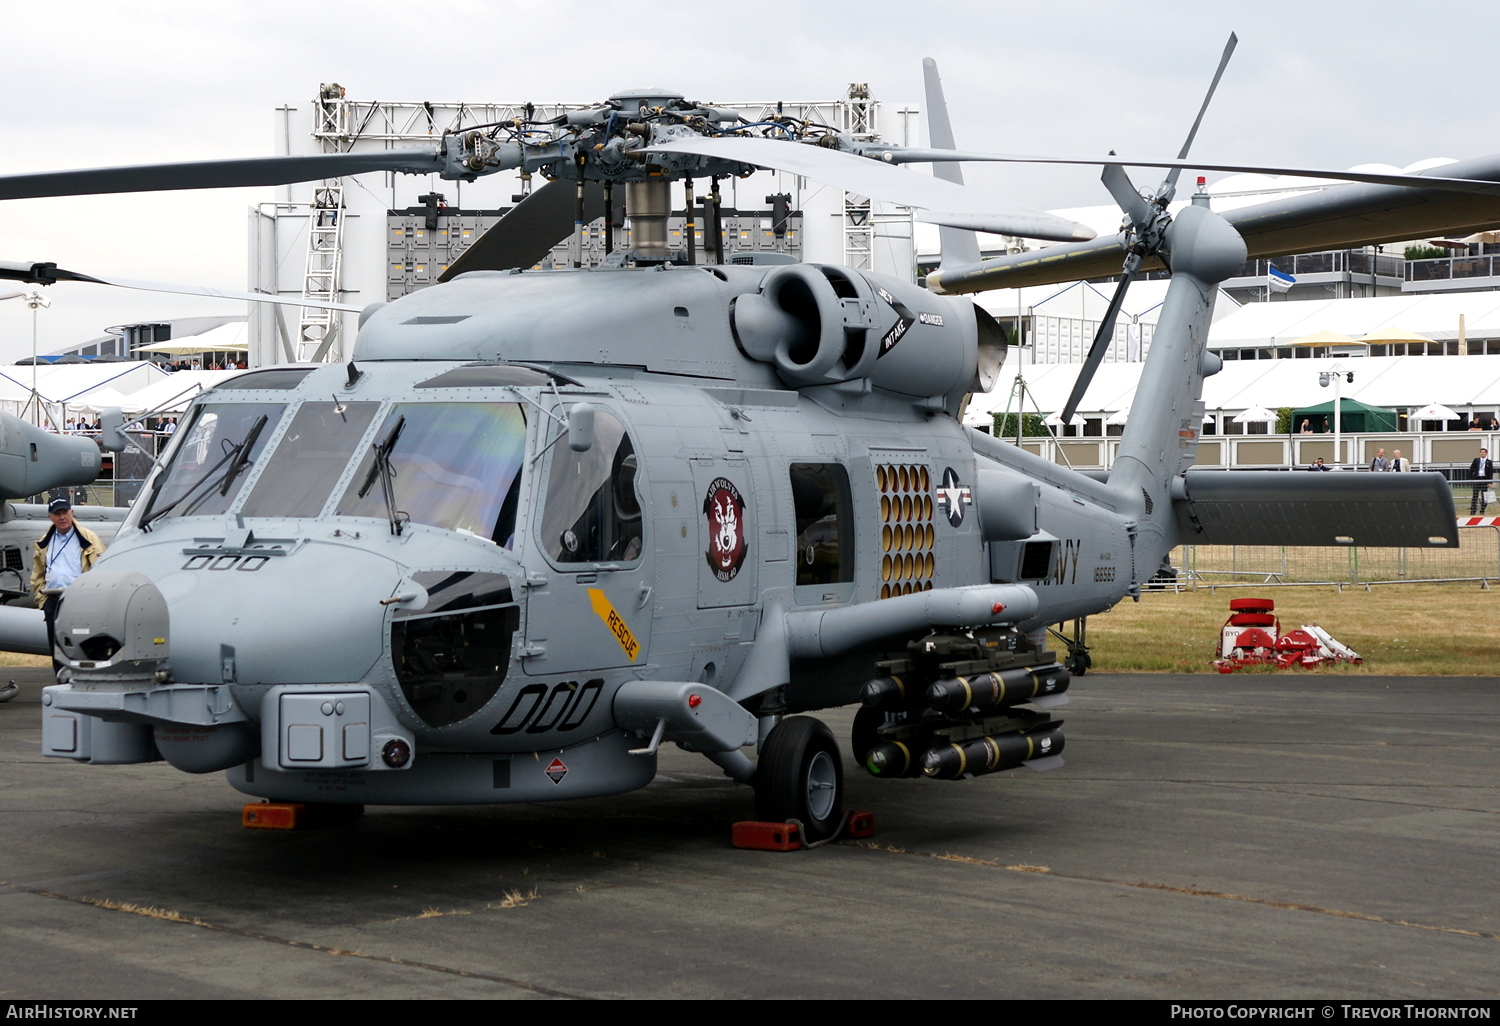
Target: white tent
[72,385]
[177,390]
[1433,411]
[1256,415]
[101,399]
[1431,315]
[226,338]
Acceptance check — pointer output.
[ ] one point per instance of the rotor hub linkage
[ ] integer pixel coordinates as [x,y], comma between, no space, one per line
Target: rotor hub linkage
[951,706]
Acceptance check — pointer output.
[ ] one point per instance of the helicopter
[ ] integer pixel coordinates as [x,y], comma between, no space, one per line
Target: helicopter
[543,522]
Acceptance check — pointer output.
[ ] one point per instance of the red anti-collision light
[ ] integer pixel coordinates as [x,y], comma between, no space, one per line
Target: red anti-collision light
[694,701]
[999,607]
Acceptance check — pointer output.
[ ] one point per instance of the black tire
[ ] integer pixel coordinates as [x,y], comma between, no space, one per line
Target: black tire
[799,766]
[1080,664]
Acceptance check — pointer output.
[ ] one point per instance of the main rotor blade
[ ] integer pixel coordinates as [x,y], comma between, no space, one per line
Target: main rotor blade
[1171,180]
[216,174]
[1124,191]
[530,230]
[1100,346]
[956,246]
[878,180]
[1415,180]
[48,274]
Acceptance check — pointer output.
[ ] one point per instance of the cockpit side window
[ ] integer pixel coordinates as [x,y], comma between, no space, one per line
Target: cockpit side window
[593,512]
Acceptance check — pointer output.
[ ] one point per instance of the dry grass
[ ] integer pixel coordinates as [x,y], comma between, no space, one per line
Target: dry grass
[22,659]
[1410,629]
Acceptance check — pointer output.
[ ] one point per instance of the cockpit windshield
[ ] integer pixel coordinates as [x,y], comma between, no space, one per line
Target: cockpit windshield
[216,452]
[450,465]
[309,459]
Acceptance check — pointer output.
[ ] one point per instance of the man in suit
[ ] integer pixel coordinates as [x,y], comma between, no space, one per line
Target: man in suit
[1399,462]
[1380,463]
[1482,473]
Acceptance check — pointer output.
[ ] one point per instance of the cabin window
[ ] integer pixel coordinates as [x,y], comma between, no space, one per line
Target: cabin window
[309,459]
[825,525]
[452,465]
[593,511]
[214,455]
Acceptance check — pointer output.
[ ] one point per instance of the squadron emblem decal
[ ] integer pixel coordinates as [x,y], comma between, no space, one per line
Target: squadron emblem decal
[953,496]
[725,509]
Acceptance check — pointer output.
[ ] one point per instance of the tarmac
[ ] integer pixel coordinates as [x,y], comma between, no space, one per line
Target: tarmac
[1245,836]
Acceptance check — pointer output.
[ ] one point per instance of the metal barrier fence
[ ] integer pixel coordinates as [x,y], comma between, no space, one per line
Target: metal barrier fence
[1200,566]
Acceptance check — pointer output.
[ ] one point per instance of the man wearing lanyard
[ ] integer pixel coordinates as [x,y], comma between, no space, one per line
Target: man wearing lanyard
[67,550]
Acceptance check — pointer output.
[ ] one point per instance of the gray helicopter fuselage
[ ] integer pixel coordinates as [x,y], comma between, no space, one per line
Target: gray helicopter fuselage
[513,584]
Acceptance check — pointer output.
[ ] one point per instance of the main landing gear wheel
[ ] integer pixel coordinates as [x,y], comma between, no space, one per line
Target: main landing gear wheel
[800,776]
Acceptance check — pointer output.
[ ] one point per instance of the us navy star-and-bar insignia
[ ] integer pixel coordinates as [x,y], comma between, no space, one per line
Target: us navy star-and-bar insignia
[952,496]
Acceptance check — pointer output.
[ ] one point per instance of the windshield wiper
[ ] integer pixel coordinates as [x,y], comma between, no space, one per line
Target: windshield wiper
[237,456]
[242,458]
[381,468]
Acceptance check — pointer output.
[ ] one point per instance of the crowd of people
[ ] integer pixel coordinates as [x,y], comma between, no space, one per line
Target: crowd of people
[81,425]
[223,363]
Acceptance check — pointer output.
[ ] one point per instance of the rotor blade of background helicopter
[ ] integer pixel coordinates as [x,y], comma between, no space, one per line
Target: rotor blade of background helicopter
[1415,180]
[1099,347]
[529,231]
[872,178]
[1170,184]
[47,274]
[956,246]
[216,174]
[1337,217]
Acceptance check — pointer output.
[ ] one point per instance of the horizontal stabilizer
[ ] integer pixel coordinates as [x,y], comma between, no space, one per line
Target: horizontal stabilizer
[1263,507]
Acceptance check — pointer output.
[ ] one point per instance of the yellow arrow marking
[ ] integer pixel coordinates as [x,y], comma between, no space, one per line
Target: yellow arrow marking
[615,622]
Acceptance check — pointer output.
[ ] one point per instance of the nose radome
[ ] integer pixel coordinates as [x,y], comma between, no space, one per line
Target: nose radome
[311,617]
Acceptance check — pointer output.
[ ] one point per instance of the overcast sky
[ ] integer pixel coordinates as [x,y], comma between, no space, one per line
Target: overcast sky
[91,83]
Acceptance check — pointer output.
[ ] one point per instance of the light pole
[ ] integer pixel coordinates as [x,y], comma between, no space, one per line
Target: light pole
[36,301]
[1337,379]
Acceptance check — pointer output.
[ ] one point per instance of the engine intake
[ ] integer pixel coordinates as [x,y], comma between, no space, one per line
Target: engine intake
[811,322]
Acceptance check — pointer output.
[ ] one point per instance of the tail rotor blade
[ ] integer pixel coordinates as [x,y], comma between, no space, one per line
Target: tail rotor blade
[1099,347]
[1169,186]
[1123,190]
[530,230]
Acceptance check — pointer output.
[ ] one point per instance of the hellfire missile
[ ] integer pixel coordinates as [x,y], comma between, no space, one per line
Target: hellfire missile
[888,694]
[995,690]
[894,759]
[989,754]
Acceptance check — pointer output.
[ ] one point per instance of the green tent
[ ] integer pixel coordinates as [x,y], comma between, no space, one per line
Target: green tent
[1356,416]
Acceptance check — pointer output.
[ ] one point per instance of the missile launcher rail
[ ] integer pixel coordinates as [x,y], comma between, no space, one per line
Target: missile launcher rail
[949,707]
